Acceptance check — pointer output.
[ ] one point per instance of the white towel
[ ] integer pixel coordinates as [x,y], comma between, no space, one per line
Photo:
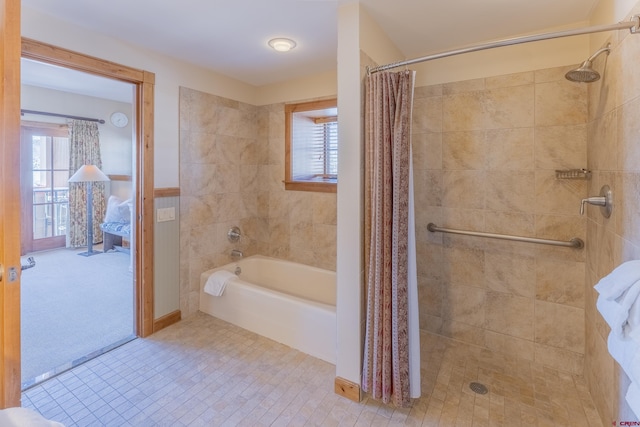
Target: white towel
[625,352]
[632,328]
[633,398]
[624,321]
[217,281]
[608,309]
[619,280]
[627,318]
[635,367]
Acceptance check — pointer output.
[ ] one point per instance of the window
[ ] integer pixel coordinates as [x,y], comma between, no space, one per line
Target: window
[311,146]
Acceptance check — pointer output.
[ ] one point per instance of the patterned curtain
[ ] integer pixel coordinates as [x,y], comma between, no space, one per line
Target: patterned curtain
[84,144]
[386,365]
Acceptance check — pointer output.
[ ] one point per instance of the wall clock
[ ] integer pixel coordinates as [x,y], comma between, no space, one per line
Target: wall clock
[119,119]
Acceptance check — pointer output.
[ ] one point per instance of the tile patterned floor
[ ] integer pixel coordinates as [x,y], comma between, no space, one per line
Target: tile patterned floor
[205,372]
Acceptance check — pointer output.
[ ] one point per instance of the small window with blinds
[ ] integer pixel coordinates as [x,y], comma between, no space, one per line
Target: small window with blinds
[311,146]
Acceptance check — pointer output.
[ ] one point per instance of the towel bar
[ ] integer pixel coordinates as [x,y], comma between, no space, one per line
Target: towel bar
[576,242]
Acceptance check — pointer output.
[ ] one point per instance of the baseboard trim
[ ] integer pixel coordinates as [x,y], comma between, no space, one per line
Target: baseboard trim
[166,320]
[348,389]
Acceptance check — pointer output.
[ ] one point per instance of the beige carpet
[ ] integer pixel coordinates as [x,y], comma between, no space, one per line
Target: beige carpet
[73,307]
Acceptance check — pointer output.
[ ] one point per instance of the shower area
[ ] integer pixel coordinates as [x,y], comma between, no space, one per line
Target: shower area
[517,155]
[527,193]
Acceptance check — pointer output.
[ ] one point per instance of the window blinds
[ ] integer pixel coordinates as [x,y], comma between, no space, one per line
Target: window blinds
[315,149]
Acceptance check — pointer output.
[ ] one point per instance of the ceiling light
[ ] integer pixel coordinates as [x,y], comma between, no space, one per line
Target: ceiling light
[282,45]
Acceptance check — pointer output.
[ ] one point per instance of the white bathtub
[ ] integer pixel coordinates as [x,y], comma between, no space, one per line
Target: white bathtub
[287,302]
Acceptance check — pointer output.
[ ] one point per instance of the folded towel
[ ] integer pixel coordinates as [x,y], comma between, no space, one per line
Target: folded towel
[633,398]
[217,281]
[619,280]
[624,352]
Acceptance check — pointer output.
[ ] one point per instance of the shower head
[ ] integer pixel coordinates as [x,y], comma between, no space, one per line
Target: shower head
[585,73]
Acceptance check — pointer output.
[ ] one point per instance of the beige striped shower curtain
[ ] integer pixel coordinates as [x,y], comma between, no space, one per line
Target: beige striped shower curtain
[388,240]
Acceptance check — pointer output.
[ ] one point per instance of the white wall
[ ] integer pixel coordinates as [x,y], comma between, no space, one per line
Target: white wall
[504,60]
[320,85]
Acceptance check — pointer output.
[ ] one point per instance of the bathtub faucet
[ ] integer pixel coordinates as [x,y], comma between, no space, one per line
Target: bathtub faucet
[236,254]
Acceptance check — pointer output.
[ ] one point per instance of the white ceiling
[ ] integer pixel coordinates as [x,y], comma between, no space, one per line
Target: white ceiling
[230,36]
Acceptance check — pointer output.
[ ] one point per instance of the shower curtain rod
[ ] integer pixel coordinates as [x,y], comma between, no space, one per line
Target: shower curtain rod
[42,113]
[576,242]
[633,25]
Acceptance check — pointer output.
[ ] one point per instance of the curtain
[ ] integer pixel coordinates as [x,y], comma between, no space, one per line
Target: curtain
[84,149]
[391,370]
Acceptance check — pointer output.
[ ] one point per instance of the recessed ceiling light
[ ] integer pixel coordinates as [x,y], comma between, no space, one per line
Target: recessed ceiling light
[282,44]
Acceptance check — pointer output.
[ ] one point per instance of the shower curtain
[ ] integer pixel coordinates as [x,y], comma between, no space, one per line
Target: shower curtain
[84,149]
[391,366]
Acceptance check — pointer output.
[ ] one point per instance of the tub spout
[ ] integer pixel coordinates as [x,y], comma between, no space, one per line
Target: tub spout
[236,254]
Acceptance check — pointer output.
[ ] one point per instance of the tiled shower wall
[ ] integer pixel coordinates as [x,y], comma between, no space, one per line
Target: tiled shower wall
[614,157]
[485,155]
[231,172]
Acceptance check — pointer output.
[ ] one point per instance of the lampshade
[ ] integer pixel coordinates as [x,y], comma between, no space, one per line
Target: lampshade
[89,173]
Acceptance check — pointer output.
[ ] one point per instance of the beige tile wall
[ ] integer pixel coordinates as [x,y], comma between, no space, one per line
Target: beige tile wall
[485,155]
[231,172]
[614,157]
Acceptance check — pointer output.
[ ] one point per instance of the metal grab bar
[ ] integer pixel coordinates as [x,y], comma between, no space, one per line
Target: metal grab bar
[576,242]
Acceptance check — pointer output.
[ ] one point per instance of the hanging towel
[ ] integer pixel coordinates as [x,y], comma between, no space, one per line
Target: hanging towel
[217,281]
[608,309]
[633,398]
[627,317]
[619,280]
[623,314]
[635,367]
[632,328]
[625,352]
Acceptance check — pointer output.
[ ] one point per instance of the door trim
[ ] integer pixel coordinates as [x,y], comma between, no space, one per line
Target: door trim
[144,82]
[9,202]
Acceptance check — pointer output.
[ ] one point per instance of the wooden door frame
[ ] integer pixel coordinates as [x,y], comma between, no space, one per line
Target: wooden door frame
[143,180]
[9,203]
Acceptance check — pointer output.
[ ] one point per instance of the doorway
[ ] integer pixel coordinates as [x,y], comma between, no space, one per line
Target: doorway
[74,307]
[142,252]
[10,221]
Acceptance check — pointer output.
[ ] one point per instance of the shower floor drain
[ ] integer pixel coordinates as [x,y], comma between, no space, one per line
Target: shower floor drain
[478,388]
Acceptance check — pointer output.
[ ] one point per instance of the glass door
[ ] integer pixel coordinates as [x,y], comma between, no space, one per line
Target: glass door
[45,167]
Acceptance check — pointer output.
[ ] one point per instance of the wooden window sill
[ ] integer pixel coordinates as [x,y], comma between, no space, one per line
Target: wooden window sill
[320,187]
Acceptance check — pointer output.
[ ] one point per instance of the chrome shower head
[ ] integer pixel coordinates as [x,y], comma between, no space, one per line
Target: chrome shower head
[585,73]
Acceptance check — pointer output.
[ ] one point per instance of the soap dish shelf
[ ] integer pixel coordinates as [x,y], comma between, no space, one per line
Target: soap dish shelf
[573,174]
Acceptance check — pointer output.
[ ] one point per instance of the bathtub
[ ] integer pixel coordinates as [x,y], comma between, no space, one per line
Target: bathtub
[290,303]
